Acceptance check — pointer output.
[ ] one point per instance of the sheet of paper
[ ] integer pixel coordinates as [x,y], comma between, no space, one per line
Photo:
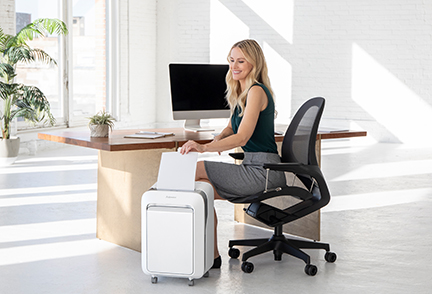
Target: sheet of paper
[177,171]
[145,136]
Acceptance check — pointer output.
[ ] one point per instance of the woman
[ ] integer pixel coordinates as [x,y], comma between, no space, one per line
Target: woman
[250,98]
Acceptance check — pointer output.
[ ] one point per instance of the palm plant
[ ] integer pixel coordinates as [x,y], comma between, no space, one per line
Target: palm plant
[21,100]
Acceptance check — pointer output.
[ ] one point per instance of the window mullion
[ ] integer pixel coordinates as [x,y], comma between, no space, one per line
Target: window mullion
[66,61]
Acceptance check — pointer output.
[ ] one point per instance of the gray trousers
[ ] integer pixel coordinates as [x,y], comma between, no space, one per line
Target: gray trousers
[236,182]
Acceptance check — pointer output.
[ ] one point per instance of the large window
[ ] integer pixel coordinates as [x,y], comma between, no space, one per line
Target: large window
[89,58]
[77,87]
[41,75]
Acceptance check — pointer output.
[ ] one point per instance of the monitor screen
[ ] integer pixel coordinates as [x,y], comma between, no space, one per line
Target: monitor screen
[198,92]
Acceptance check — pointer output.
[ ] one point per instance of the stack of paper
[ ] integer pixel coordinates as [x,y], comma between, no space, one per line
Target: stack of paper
[149,135]
[177,171]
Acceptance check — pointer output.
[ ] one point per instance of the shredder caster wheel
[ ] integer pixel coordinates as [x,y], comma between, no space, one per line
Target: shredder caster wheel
[311,270]
[191,282]
[330,256]
[234,253]
[247,267]
[206,275]
[154,280]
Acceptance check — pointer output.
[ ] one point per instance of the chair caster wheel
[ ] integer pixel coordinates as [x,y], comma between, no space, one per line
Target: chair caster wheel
[247,267]
[234,253]
[191,282]
[311,270]
[277,255]
[154,280]
[330,256]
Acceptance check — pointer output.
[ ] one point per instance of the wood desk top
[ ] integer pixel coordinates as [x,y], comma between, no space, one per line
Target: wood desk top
[117,142]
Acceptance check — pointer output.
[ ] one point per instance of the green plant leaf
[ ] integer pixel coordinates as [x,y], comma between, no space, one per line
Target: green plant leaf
[39,28]
[6,90]
[32,105]
[3,40]
[7,71]
[102,118]
[14,55]
[40,55]
[51,25]
[27,55]
[27,113]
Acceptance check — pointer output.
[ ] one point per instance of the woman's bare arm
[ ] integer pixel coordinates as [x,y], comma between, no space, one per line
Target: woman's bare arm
[256,102]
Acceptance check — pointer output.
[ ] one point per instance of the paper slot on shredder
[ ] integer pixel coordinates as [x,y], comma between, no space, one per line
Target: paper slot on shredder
[174,238]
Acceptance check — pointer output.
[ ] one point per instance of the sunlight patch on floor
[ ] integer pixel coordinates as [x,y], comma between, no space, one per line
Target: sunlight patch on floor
[51,168]
[71,158]
[44,230]
[388,169]
[52,199]
[47,189]
[377,199]
[39,252]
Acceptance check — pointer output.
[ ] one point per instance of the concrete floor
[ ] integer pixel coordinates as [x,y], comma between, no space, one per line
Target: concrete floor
[379,222]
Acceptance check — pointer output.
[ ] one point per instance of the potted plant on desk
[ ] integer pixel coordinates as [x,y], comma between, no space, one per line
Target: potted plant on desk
[100,124]
[21,100]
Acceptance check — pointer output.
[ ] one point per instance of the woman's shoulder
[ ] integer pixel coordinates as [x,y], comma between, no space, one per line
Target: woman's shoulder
[257,85]
[261,86]
[257,88]
[257,92]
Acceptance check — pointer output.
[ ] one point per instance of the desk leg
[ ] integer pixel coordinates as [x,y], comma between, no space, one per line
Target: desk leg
[123,177]
[308,226]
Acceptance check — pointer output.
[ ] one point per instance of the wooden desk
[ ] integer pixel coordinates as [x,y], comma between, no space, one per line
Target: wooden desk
[129,167]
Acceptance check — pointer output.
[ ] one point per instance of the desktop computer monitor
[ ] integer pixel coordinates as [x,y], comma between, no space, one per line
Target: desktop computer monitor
[198,92]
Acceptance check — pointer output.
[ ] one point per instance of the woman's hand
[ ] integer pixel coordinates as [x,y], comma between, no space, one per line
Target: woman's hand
[191,146]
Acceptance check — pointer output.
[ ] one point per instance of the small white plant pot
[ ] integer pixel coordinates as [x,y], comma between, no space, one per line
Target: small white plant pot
[9,149]
[99,130]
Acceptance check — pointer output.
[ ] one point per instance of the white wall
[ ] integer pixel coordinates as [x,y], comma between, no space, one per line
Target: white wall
[137,63]
[182,36]
[370,59]
[7,16]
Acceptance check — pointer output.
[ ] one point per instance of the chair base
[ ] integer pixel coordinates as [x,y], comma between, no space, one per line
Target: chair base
[279,244]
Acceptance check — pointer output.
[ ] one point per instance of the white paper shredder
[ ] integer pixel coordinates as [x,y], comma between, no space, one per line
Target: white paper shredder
[178,232]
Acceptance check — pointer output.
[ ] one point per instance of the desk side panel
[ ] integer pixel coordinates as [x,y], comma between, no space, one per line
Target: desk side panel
[123,177]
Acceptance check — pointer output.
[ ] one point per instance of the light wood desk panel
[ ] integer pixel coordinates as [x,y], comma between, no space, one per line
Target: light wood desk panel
[128,167]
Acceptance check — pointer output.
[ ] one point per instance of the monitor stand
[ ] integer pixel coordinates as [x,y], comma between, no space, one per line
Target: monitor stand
[194,125]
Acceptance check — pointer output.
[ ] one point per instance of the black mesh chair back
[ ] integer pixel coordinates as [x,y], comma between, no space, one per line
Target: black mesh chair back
[299,141]
[299,147]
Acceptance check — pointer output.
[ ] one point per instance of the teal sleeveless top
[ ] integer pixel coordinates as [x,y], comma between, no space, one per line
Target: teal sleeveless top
[262,139]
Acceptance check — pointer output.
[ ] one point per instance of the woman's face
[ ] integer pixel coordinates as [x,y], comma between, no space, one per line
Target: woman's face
[239,66]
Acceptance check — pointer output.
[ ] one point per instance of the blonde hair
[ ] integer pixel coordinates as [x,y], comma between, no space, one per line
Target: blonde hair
[259,74]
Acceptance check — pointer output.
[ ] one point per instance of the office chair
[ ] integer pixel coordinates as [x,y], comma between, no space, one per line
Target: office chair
[298,157]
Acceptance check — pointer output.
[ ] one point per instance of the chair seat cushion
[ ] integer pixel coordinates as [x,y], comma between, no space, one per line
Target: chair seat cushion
[269,215]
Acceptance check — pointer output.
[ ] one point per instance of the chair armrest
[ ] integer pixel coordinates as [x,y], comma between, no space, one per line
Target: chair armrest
[288,167]
[300,170]
[238,155]
[313,171]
